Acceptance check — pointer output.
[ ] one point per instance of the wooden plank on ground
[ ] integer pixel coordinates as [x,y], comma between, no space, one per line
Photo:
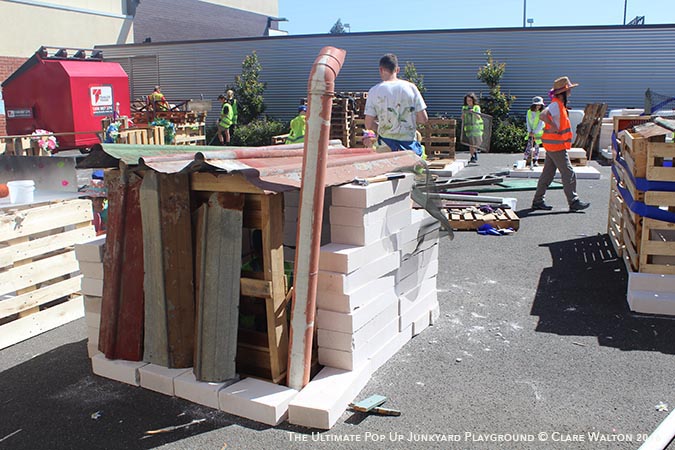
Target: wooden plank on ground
[217,316]
[45,320]
[167,259]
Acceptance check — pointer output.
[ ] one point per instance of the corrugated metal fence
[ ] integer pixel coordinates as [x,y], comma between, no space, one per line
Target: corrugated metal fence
[614,64]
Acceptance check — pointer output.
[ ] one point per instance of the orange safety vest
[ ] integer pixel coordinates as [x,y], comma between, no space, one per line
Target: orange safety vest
[556,141]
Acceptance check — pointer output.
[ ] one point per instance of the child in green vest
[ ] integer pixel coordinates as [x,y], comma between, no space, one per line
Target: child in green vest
[535,129]
[298,125]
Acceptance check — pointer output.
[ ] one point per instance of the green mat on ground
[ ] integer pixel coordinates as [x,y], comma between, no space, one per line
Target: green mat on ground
[526,184]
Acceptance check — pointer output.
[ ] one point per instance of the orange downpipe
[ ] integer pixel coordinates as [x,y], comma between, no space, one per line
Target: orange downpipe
[321,87]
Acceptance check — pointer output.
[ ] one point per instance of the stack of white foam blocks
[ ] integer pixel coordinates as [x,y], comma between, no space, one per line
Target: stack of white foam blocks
[90,257]
[291,209]
[377,289]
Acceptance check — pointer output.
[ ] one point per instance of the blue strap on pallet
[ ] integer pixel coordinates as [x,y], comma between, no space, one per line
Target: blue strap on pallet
[642,184]
[640,208]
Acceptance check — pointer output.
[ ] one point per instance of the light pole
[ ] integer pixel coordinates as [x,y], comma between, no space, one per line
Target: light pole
[525,13]
[346,25]
[625,6]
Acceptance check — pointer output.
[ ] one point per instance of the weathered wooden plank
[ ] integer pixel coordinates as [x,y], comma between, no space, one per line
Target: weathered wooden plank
[273,267]
[121,333]
[30,249]
[27,275]
[256,288]
[29,221]
[202,181]
[40,296]
[34,324]
[167,259]
[218,289]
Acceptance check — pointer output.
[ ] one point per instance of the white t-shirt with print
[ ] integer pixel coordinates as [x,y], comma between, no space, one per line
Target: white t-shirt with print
[395,104]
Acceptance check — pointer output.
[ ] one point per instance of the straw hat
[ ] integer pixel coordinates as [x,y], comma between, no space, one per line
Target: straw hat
[562,84]
[537,101]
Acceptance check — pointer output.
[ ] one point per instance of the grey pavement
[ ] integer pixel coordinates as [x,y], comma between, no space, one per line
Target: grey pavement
[535,348]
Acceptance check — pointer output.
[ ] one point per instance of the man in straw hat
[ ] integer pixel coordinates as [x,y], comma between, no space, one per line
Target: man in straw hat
[557,139]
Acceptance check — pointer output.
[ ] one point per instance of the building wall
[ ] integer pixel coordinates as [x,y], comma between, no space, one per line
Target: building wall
[265,7]
[7,66]
[614,65]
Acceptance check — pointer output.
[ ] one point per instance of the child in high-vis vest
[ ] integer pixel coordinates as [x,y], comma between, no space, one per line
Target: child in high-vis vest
[472,125]
[298,126]
[535,129]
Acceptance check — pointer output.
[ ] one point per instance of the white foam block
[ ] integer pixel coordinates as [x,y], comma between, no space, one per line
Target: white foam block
[390,348]
[421,222]
[345,258]
[638,281]
[419,308]
[355,341]
[421,323]
[117,369]
[362,217]
[424,242]
[417,293]
[92,335]
[573,153]
[582,172]
[650,302]
[160,379]
[416,278]
[350,359]
[92,350]
[434,314]
[92,319]
[92,250]
[186,386]
[346,303]
[92,287]
[92,304]
[257,400]
[416,261]
[346,283]
[351,322]
[370,233]
[375,193]
[91,269]
[321,403]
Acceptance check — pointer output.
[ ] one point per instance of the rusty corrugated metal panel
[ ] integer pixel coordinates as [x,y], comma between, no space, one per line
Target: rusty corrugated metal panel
[274,169]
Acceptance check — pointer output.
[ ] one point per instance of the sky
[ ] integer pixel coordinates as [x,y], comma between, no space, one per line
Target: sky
[317,17]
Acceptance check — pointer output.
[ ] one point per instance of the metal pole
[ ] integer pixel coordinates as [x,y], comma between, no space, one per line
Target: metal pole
[525,13]
[625,6]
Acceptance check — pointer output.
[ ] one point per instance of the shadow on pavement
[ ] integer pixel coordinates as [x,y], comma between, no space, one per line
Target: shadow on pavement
[52,400]
[584,294]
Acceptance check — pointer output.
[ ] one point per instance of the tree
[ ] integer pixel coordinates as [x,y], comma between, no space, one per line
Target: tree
[249,90]
[410,74]
[338,28]
[497,104]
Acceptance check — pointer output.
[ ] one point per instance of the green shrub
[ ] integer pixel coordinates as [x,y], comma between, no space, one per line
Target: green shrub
[258,133]
[508,136]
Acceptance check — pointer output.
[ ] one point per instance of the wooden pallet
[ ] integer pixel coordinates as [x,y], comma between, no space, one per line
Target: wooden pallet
[39,273]
[647,158]
[615,217]
[463,220]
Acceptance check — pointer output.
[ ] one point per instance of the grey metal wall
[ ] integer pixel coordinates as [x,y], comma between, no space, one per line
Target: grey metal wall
[613,64]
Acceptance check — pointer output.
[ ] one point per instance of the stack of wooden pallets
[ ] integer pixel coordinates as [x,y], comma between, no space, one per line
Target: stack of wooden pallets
[641,222]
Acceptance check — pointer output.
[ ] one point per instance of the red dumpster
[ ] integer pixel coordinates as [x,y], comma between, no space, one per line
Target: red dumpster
[65,93]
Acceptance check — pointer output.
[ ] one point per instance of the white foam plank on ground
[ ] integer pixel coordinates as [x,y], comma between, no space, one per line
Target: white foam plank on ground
[321,403]
[390,349]
[346,283]
[160,379]
[370,233]
[117,369]
[357,196]
[649,302]
[348,342]
[91,250]
[638,281]
[186,386]
[257,400]
[351,359]
[421,323]
[351,322]
[582,172]
[362,217]
[346,303]
[92,350]
[416,278]
[346,258]
[573,153]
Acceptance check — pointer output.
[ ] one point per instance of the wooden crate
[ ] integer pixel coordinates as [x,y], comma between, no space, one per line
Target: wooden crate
[438,137]
[190,134]
[463,220]
[39,274]
[615,217]
[650,247]
[648,159]
[624,122]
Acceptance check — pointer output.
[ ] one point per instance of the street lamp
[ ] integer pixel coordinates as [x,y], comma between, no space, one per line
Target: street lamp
[346,25]
[530,21]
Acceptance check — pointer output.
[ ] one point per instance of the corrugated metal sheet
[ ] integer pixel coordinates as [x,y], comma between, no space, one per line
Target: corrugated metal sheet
[614,64]
[274,169]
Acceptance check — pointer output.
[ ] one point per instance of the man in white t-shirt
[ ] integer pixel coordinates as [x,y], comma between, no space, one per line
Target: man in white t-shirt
[394,108]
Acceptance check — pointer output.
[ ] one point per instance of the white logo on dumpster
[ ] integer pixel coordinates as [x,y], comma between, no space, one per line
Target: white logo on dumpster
[101,100]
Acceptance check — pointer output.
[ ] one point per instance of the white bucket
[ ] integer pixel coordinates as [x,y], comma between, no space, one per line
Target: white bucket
[21,191]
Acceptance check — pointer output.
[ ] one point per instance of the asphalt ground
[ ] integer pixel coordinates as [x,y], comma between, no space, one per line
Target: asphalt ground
[535,348]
